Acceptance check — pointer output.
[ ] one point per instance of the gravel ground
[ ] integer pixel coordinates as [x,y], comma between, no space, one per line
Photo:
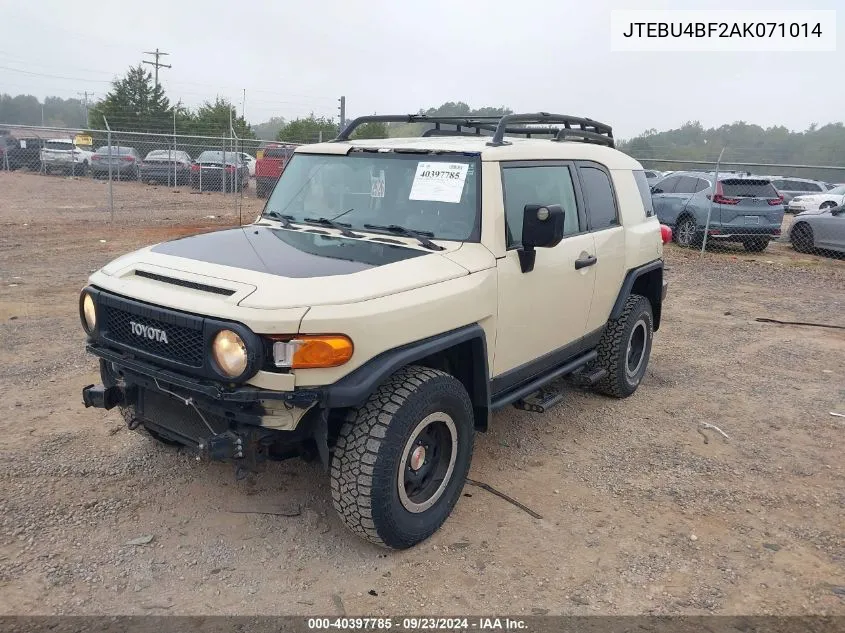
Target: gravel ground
[642,512]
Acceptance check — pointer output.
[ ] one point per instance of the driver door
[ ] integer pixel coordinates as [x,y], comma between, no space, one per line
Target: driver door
[542,314]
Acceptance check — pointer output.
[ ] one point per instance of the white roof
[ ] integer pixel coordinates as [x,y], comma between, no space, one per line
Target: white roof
[516,149]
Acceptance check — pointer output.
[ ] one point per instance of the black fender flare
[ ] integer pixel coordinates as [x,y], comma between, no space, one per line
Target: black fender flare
[656,296]
[353,389]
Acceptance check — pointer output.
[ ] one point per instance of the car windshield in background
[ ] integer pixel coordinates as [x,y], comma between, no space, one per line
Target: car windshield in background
[162,154]
[58,145]
[217,157]
[748,188]
[104,151]
[434,195]
[837,191]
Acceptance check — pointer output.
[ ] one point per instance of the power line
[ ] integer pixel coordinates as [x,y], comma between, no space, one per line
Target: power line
[156,63]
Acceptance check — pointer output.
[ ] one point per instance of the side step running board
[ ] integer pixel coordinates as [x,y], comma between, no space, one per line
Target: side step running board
[539,402]
[521,393]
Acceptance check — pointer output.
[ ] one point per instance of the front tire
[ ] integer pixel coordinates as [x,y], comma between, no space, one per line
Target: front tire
[401,459]
[625,348]
[801,237]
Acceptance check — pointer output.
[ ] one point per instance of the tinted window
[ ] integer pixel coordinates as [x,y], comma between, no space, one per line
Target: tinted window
[537,185]
[748,188]
[811,186]
[645,192]
[278,152]
[115,151]
[601,204]
[701,185]
[686,184]
[667,185]
[779,184]
[59,145]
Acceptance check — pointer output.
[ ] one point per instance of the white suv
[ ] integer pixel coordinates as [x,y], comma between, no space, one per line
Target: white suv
[64,155]
[392,295]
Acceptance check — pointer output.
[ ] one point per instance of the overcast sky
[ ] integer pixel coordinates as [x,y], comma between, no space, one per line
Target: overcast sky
[389,56]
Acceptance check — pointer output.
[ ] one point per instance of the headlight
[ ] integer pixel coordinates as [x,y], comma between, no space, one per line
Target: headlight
[312,352]
[89,313]
[229,352]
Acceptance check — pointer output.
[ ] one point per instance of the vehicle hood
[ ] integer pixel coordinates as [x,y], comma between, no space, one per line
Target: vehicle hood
[267,268]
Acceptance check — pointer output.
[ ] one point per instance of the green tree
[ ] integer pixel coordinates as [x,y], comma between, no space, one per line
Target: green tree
[270,129]
[308,130]
[371,130]
[134,104]
[212,119]
[27,110]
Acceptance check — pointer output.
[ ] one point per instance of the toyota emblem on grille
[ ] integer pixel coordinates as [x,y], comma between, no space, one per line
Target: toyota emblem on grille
[146,331]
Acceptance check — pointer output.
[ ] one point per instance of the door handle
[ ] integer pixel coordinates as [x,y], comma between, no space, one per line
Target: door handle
[583,262]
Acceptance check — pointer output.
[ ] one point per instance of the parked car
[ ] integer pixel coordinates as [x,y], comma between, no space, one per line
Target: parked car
[816,201]
[125,163]
[819,229]
[219,170]
[22,153]
[790,187]
[62,154]
[652,176]
[269,168]
[745,209]
[166,166]
[250,161]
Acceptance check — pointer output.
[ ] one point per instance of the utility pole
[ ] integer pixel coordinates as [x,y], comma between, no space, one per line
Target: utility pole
[342,113]
[243,106]
[84,95]
[156,63]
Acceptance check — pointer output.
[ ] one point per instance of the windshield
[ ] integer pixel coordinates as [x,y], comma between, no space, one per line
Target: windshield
[163,154]
[436,195]
[217,157]
[838,191]
[115,151]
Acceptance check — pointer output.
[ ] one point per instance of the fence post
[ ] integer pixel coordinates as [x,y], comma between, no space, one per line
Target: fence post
[111,192]
[710,206]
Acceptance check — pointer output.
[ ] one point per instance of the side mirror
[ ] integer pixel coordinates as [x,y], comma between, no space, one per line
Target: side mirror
[542,227]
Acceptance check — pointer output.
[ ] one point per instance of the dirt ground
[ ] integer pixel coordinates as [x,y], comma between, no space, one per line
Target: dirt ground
[642,512]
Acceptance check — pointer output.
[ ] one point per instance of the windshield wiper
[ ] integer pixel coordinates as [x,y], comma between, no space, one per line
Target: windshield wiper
[420,236]
[284,219]
[339,226]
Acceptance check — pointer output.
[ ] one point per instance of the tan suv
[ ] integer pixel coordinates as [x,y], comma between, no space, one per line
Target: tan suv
[392,295]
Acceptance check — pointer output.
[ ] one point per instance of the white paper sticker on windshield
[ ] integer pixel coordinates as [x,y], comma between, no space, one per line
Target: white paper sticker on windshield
[439,182]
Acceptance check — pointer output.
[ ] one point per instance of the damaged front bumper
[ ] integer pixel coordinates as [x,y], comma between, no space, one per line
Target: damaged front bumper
[246,424]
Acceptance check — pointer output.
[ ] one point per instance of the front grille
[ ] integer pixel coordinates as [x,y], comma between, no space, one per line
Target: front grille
[184,345]
[176,418]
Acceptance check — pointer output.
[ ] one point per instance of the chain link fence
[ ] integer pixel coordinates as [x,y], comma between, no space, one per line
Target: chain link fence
[132,170]
[746,203]
[733,200]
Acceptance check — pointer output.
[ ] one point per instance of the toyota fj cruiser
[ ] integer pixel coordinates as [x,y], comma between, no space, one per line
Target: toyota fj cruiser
[392,294]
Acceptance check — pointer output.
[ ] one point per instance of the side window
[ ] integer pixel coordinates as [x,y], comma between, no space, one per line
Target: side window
[601,203]
[645,192]
[686,185]
[701,185]
[815,188]
[550,184]
[667,185]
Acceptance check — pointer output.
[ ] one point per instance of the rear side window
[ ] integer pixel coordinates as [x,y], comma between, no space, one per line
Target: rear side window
[667,185]
[550,184]
[686,184]
[601,203]
[811,186]
[645,192]
[701,185]
[748,188]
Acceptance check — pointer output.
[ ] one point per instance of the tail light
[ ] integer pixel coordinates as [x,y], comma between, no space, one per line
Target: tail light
[776,201]
[230,169]
[665,233]
[128,159]
[195,167]
[96,157]
[720,198]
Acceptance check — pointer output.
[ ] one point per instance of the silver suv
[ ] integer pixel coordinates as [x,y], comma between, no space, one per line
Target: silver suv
[392,295]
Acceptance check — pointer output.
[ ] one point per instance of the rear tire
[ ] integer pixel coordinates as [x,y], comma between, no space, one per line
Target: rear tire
[625,348]
[401,459]
[755,245]
[802,238]
[685,232]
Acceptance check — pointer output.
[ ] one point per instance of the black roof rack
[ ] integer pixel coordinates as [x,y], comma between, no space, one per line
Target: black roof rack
[574,128]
